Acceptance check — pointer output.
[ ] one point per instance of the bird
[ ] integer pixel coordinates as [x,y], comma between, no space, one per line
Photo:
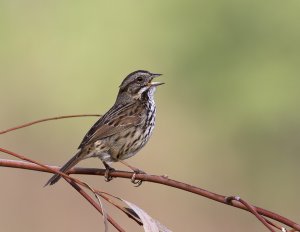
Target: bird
[124,129]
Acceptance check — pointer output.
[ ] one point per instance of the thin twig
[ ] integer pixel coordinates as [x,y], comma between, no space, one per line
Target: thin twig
[275,225]
[47,119]
[103,195]
[251,209]
[154,179]
[239,203]
[93,203]
[56,170]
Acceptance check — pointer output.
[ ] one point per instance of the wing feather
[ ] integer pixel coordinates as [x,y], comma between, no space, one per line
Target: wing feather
[117,119]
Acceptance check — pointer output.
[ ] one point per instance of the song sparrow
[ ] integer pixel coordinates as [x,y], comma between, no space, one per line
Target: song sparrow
[124,129]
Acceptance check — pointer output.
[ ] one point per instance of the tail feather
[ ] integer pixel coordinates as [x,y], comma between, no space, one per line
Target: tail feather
[67,166]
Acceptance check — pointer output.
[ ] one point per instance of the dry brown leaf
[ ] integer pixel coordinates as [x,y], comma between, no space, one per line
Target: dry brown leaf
[149,223]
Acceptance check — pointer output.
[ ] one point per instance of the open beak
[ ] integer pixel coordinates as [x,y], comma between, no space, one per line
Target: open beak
[155,83]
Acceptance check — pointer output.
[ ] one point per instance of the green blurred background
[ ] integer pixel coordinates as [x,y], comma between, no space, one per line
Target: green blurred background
[228,117]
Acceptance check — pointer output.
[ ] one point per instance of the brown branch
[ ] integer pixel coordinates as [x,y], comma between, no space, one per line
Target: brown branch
[93,203]
[47,119]
[154,179]
[251,209]
[46,168]
[233,201]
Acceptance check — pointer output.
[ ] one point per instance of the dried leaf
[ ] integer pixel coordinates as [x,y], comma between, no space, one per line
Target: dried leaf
[105,221]
[149,223]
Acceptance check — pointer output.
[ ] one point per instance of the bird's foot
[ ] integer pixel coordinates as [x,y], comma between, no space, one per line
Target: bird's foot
[136,171]
[136,182]
[107,176]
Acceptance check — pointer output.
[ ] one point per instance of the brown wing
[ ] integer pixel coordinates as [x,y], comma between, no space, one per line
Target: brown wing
[117,119]
[108,130]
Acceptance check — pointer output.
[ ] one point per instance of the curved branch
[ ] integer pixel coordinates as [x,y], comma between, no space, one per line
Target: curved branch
[154,179]
[46,119]
[94,204]
[46,168]
[251,209]
[232,201]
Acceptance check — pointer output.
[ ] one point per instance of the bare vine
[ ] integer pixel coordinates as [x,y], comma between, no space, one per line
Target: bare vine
[262,214]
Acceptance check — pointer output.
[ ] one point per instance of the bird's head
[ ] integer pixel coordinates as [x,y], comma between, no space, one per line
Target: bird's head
[138,84]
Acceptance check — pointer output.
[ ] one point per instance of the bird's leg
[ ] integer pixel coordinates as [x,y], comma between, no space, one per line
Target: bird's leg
[135,170]
[108,169]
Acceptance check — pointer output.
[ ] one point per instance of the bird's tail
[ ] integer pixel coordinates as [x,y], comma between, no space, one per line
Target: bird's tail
[71,163]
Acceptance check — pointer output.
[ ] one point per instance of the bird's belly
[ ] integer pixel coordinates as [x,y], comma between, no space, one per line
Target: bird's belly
[128,143]
[122,145]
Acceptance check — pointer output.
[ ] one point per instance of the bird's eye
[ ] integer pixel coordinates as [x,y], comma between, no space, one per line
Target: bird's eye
[140,79]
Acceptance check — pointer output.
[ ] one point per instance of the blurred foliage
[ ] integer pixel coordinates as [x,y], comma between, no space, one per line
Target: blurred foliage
[228,118]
